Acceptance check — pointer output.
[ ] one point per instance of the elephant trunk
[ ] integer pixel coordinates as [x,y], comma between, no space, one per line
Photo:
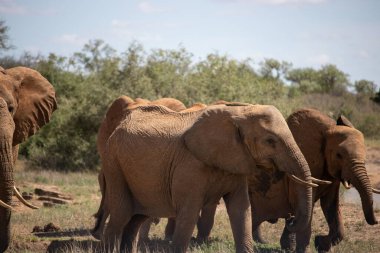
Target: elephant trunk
[361,182]
[303,208]
[6,189]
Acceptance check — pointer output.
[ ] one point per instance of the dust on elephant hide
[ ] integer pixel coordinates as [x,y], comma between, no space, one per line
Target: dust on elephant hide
[155,156]
[27,101]
[115,114]
[335,151]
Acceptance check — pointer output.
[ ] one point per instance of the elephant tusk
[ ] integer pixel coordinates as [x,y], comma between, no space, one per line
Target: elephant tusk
[5,205]
[300,181]
[346,185]
[319,181]
[376,191]
[19,196]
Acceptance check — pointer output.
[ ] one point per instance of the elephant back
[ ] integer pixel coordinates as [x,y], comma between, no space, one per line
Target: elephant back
[308,127]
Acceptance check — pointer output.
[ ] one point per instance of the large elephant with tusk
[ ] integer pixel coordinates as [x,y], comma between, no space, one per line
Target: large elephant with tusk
[161,163]
[336,152]
[27,101]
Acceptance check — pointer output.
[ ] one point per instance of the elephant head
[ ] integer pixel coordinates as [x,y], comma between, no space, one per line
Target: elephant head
[27,101]
[345,154]
[334,150]
[238,139]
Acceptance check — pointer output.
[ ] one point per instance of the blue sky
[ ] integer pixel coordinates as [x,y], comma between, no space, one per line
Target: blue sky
[307,33]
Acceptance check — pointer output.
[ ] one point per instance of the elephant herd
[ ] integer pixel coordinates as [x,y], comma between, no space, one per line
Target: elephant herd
[161,159]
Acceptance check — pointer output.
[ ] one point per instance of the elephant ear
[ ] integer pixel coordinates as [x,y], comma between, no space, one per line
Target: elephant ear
[36,102]
[216,140]
[343,121]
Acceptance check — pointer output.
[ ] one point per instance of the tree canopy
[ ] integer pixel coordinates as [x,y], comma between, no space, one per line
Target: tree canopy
[89,80]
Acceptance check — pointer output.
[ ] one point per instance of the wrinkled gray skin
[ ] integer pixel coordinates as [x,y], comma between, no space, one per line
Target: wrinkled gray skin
[335,151]
[115,114]
[26,102]
[167,164]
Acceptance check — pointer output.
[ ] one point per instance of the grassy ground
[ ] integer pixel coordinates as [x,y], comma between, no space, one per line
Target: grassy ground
[75,219]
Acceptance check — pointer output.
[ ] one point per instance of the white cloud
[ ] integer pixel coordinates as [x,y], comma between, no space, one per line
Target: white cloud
[141,32]
[72,39]
[11,7]
[363,54]
[147,7]
[277,2]
[320,59]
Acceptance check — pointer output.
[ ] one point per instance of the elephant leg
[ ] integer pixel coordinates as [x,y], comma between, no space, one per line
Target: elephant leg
[288,240]
[5,234]
[102,213]
[184,226]
[145,228]
[206,222]
[129,238]
[303,239]
[169,229]
[331,210]
[239,212]
[119,201]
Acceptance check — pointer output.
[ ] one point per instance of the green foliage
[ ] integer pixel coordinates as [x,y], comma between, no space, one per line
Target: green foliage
[88,81]
[4,37]
[365,87]
[329,79]
[376,98]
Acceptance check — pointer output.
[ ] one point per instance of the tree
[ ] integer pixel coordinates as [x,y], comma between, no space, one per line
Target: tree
[304,79]
[376,98]
[365,87]
[331,79]
[274,69]
[4,37]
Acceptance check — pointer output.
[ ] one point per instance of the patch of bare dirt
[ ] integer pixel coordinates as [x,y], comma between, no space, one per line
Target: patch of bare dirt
[46,196]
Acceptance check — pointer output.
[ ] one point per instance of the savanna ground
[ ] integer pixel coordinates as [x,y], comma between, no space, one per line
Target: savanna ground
[75,219]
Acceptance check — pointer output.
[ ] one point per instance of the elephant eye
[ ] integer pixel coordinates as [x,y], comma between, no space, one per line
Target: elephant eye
[271,141]
[11,109]
[339,156]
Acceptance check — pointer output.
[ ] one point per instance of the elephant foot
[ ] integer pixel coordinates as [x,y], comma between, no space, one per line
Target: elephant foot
[202,240]
[322,243]
[303,250]
[288,242]
[96,234]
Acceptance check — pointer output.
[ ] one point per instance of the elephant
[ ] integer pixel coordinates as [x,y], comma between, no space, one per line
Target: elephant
[335,152]
[114,115]
[27,101]
[168,164]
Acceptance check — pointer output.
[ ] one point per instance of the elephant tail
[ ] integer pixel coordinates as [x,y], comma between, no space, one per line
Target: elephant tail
[101,215]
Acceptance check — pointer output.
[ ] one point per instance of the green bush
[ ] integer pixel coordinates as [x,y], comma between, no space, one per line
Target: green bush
[88,81]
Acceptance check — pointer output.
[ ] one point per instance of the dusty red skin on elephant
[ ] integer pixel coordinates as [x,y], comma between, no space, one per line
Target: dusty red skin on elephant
[335,151]
[162,130]
[115,114]
[28,101]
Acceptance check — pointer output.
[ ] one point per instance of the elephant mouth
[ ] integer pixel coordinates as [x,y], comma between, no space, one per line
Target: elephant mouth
[346,183]
[266,164]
